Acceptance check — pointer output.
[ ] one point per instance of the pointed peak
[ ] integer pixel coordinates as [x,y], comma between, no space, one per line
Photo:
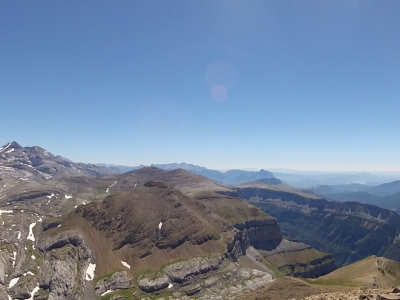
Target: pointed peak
[15,145]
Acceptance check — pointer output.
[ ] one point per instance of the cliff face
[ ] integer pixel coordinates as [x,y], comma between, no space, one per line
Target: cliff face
[349,230]
[288,257]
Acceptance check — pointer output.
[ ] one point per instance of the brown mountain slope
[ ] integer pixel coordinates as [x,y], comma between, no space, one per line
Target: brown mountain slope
[147,226]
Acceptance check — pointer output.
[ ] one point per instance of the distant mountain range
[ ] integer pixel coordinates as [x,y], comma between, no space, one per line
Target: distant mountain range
[307,179]
[386,195]
[229,177]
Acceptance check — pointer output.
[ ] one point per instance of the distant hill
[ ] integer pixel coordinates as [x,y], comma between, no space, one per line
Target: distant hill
[386,195]
[347,188]
[229,177]
[313,179]
[385,189]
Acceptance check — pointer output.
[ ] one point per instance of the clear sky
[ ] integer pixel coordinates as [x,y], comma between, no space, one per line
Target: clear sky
[311,85]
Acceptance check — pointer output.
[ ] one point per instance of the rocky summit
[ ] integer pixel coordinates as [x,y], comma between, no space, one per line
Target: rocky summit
[36,162]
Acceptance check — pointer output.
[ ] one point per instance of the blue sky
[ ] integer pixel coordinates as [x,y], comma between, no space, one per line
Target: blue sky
[312,85]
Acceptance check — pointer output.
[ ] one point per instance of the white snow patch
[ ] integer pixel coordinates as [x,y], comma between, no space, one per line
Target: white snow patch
[111,186]
[52,195]
[126,264]
[75,206]
[19,235]
[135,186]
[68,196]
[9,298]
[170,285]
[40,220]
[160,225]
[2,149]
[13,282]
[107,292]
[37,288]
[33,256]
[23,178]
[5,212]
[14,258]
[83,203]
[30,235]
[90,272]
[29,273]
[11,150]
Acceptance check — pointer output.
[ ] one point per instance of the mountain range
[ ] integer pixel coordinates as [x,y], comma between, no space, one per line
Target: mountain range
[77,231]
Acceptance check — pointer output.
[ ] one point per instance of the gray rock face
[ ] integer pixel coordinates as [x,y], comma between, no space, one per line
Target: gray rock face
[117,281]
[61,240]
[150,284]
[45,275]
[181,271]
[62,283]
[4,258]
[64,272]
[23,289]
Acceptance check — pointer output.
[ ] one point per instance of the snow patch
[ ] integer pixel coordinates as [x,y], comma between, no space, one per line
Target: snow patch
[107,292]
[159,225]
[52,195]
[135,186]
[126,264]
[30,235]
[36,289]
[13,282]
[40,220]
[14,258]
[2,149]
[111,186]
[90,272]
[170,285]
[19,235]
[68,196]
[5,212]
[11,150]
[33,256]
[29,273]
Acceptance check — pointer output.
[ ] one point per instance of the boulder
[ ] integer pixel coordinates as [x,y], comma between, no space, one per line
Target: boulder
[118,281]
[154,283]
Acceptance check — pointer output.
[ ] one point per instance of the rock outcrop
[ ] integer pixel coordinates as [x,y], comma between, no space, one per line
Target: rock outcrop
[117,281]
[67,258]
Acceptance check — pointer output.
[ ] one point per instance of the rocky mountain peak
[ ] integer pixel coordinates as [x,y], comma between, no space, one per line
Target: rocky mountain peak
[36,162]
[15,145]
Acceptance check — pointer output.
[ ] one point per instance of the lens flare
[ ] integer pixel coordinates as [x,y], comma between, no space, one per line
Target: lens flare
[219,93]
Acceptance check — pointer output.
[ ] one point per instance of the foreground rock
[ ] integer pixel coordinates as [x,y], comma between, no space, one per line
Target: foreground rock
[360,294]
